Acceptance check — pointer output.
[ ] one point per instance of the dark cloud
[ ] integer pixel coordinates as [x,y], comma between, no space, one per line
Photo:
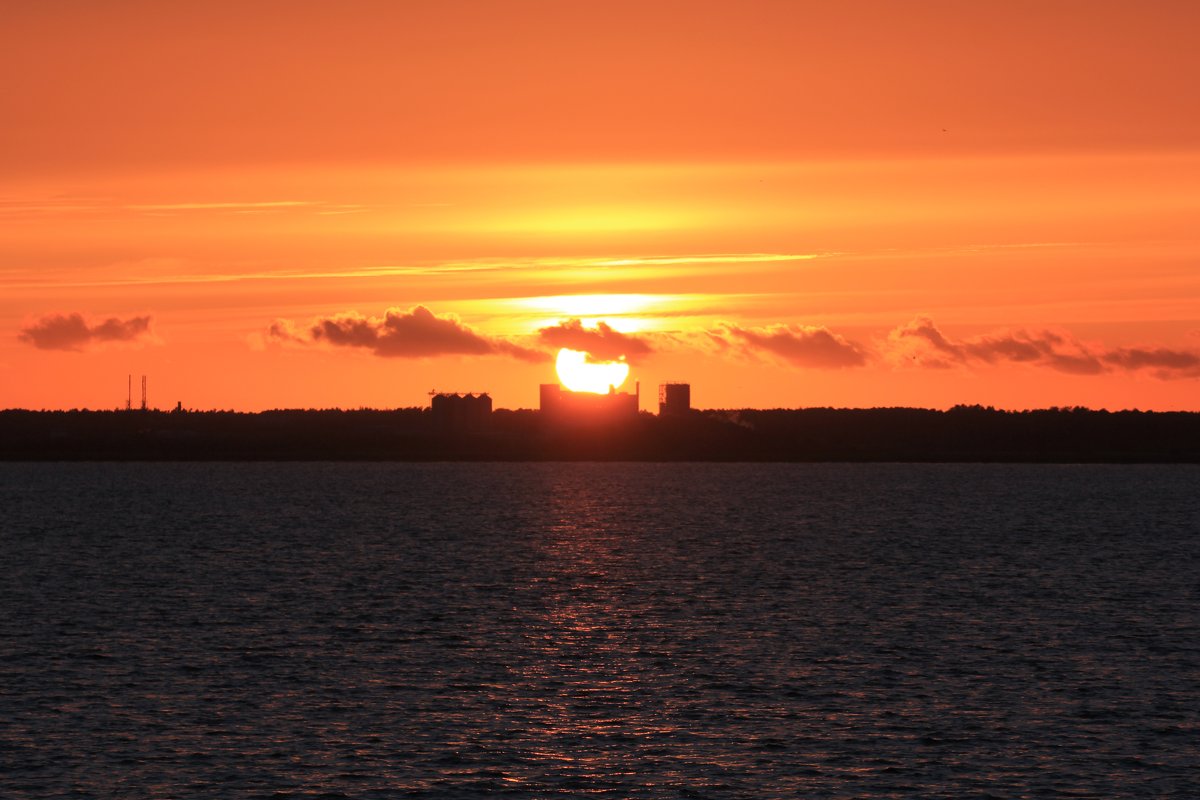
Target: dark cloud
[602,342]
[921,343]
[923,328]
[802,345]
[415,333]
[1164,363]
[1080,364]
[1006,348]
[72,332]
[1046,348]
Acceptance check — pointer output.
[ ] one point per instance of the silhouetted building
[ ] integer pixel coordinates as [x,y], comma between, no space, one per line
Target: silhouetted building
[674,399]
[459,412]
[561,405]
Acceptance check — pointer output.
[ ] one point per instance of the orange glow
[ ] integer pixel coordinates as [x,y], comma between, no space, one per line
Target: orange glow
[578,373]
[925,204]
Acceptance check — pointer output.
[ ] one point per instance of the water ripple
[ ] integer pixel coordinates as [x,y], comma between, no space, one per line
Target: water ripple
[610,631]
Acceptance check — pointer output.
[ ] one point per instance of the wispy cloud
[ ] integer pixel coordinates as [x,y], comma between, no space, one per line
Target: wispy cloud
[59,205]
[714,258]
[73,332]
[53,205]
[221,206]
[553,268]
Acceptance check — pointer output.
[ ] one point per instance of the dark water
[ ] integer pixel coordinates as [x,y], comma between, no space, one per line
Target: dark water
[353,630]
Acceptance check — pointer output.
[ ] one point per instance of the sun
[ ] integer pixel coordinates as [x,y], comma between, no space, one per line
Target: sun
[579,374]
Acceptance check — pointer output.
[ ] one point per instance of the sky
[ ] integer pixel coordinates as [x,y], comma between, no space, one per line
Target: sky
[786,204]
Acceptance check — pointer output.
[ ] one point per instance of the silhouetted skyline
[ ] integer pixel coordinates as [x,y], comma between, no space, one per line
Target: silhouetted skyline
[468,430]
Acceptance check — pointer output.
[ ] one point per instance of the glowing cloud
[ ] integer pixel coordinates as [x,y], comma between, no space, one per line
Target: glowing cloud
[602,342]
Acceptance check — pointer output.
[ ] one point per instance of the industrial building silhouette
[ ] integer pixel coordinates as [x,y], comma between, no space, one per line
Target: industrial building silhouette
[471,411]
[560,405]
[460,412]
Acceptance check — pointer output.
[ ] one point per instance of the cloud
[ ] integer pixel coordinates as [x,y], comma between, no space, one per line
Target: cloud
[1164,363]
[72,332]
[602,342]
[920,343]
[415,333]
[802,345]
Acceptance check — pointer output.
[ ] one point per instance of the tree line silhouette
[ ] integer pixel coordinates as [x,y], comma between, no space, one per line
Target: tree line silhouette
[960,434]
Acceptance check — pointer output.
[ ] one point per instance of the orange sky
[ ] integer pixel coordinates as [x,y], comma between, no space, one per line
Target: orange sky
[265,205]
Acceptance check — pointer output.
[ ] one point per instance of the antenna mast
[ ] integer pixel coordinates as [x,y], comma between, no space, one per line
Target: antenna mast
[129,392]
[143,393]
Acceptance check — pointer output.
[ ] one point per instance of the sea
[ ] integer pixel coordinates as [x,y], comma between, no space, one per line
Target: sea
[390,630]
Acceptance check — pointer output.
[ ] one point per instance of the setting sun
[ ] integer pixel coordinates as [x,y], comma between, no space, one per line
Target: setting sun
[579,374]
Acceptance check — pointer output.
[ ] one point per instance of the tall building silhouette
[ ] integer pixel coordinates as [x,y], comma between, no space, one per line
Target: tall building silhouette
[674,399]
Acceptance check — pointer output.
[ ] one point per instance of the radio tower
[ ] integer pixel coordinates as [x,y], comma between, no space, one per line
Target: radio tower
[143,393]
[129,393]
